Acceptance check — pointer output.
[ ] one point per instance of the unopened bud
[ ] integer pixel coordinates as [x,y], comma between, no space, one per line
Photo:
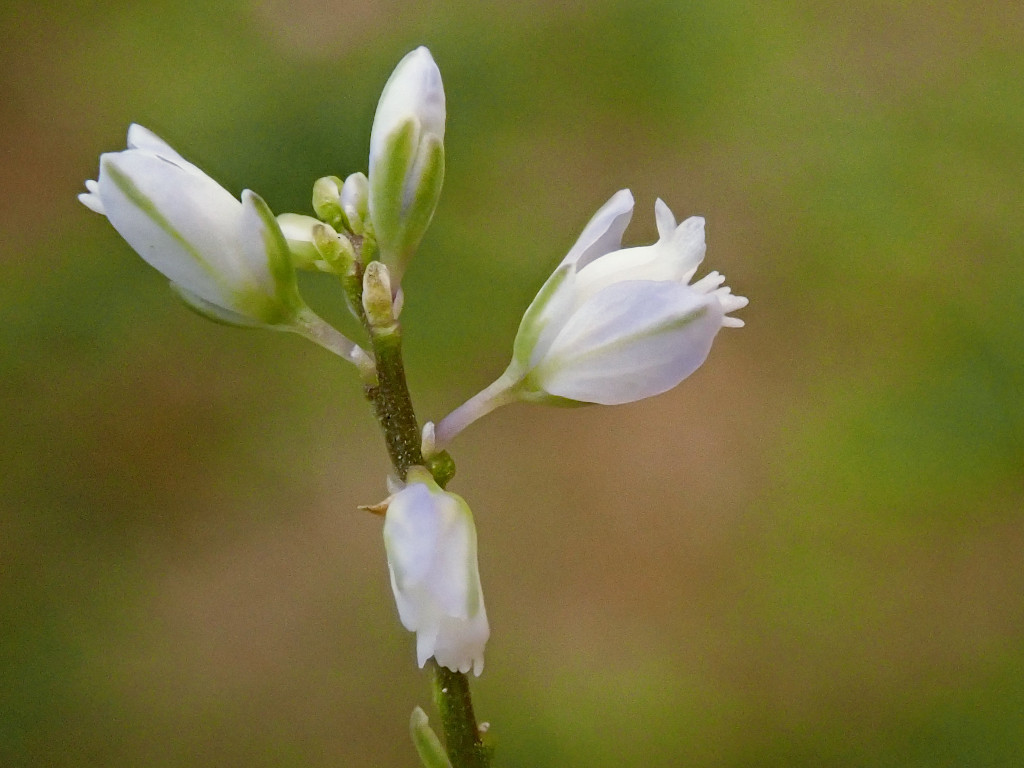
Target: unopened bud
[355,201]
[406,158]
[327,201]
[336,250]
[377,302]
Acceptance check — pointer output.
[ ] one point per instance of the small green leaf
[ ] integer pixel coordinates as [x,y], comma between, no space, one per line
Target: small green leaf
[427,744]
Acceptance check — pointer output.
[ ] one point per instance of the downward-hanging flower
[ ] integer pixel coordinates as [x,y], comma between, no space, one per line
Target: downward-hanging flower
[430,541]
[406,158]
[611,325]
[227,258]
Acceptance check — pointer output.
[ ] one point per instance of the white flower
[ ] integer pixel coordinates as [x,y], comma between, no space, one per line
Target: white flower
[226,258]
[430,541]
[406,158]
[612,325]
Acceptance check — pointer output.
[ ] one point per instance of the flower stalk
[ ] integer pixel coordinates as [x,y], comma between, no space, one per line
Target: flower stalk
[392,405]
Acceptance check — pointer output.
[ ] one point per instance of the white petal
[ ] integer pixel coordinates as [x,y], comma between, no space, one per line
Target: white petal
[142,138]
[91,198]
[630,341]
[411,531]
[182,223]
[664,218]
[688,243]
[459,645]
[603,232]
[413,90]
[92,202]
[730,303]
[670,259]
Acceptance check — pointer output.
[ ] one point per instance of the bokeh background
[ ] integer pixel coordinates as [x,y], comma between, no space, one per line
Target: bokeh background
[810,553]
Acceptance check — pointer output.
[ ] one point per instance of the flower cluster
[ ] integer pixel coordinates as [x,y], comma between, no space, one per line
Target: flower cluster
[611,325]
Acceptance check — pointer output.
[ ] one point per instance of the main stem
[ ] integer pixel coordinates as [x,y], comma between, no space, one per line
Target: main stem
[393,408]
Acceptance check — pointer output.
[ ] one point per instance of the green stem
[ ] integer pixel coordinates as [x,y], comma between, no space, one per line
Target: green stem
[393,408]
[461,732]
[392,404]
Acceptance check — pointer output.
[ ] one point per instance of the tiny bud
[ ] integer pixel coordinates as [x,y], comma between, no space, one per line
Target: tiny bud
[298,232]
[355,201]
[336,250]
[377,301]
[428,440]
[327,201]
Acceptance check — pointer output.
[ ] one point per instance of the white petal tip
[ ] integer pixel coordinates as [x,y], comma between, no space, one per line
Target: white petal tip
[623,198]
[92,201]
[664,218]
[710,282]
[140,137]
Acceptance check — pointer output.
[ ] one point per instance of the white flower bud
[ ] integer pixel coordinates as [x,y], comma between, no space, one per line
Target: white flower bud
[612,325]
[430,541]
[406,158]
[227,258]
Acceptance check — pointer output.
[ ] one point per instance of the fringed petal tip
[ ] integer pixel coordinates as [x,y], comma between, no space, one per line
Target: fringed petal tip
[91,199]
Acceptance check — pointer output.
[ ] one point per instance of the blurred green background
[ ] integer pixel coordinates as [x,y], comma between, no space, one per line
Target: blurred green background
[810,553]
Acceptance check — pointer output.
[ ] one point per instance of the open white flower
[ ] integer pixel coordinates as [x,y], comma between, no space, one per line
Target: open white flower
[430,541]
[406,158]
[612,325]
[227,258]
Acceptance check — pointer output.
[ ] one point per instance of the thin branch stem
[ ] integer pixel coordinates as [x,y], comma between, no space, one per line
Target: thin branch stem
[500,392]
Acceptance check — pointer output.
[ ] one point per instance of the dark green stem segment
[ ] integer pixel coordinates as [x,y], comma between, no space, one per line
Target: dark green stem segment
[392,404]
[393,408]
[461,733]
